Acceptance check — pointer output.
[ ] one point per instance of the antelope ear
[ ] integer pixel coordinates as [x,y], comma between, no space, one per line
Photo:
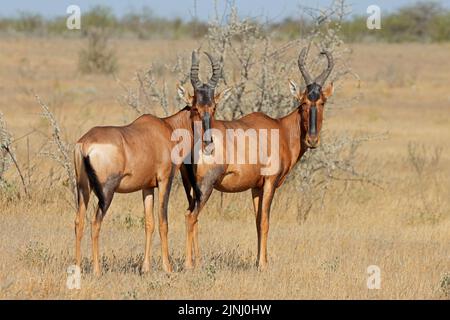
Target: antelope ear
[294,89]
[328,92]
[184,95]
[224,95]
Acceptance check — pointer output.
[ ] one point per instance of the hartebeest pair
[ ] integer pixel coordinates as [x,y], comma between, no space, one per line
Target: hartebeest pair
[138,157]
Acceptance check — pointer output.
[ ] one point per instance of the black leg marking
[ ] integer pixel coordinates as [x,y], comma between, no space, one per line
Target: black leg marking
[108,191]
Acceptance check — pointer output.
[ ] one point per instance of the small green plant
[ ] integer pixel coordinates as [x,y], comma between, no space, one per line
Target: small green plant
[36,254]
[9,191]
[331,265]
[444,285]
[129,221]
[131,295]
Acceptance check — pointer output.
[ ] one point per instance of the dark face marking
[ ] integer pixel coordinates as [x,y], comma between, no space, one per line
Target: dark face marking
[204,95]
[313,95]
[205,104]
[312,120]
[206,121]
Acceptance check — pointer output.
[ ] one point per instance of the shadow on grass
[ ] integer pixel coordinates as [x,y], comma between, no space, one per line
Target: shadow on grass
[232,260]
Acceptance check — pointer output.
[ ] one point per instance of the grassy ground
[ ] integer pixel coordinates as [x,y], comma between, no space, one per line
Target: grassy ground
[402,227]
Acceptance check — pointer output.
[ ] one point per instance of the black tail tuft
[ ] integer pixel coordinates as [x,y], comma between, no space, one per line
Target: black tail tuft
[94,183]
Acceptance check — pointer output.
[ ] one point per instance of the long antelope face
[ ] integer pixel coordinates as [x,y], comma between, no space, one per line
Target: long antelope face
[312,100]
[204,101]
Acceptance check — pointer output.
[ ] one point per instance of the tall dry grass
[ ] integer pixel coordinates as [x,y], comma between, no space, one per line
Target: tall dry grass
[402,225]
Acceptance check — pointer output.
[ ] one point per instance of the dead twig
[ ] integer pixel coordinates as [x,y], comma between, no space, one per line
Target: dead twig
[62,154]
[13,158]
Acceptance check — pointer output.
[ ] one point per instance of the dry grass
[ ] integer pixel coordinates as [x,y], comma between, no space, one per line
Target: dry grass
[404,91]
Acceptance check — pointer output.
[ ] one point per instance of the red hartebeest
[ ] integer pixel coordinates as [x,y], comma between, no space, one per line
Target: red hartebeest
[296,132]
[127,159]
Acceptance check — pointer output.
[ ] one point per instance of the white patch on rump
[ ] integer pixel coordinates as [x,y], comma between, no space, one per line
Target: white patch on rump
[103,158]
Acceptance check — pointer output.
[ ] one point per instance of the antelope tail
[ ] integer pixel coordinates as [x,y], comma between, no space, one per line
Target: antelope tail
[93,182]
[86,176]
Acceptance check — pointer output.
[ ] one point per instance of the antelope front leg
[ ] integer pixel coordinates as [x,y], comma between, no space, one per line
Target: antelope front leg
[262,225]
[164,193]
[148,197]
[206,187]
[192,241]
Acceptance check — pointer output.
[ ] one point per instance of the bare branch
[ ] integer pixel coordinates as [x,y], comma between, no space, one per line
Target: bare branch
[62,150]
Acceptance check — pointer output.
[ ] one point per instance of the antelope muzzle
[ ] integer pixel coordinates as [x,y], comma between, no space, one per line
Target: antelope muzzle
[207,136]
[312,138]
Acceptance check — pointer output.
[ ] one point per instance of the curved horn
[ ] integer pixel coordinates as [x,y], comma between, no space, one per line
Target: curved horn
[301,66]
[212,83]
[195,66]
[320,80]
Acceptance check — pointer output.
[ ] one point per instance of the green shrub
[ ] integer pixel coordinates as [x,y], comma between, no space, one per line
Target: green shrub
[99,17]
[424,21]
[97,57]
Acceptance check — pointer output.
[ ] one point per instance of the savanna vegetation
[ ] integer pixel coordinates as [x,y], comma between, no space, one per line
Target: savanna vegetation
[423,21]
[376,192]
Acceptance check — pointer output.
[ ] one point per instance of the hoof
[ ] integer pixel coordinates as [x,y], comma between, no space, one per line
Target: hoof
[198,263]
[168,268]
[188,266]
[97,273]
[262,266]
[145,268]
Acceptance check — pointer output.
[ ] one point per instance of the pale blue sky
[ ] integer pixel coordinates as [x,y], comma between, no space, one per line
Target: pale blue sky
[271,9]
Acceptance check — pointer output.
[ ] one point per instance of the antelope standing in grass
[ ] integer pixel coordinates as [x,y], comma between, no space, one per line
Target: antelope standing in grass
[296,132]
[126,159]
